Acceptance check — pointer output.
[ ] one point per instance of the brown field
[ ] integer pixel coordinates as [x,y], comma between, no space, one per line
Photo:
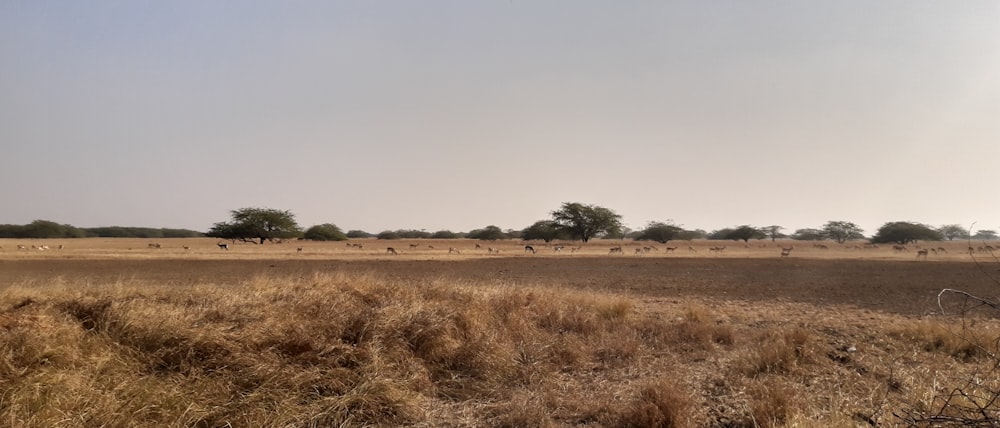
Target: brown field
[112,332]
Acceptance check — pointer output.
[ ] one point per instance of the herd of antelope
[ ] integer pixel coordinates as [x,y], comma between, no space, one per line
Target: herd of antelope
[633,248]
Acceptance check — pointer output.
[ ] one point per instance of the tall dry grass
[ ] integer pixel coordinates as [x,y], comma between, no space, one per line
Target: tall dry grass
[327,350]
[361,350]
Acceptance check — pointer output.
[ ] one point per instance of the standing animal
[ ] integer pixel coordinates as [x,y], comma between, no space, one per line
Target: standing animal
[223,246]
[614,250]
[529,249]
[392,251]
[786,251]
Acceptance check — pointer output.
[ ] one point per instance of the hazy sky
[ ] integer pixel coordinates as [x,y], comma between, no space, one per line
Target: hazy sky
[456,115]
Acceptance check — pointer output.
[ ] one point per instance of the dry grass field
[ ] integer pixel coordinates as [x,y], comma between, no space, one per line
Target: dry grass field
[117,332]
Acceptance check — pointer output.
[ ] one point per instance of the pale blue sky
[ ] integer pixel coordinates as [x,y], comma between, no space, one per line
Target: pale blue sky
[456,114]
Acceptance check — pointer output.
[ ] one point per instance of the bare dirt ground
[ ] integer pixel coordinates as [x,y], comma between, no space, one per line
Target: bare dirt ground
[880,280]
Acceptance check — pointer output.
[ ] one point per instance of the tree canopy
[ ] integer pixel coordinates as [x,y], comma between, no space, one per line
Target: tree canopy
[740,233]
[584,222]
[352,234]
[659,232]
[257,224]
[952,231]
[773,232]
[545,230]
[903,232]
[488,233]
[842,231]
[985,235]
[324,232]
[808,235]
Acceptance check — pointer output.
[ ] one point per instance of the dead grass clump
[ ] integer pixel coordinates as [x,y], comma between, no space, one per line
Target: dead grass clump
[661,403]
[963,343]
[770,404]
[698,327]
[777,351]
[524,410]
[91,312]
[377,401]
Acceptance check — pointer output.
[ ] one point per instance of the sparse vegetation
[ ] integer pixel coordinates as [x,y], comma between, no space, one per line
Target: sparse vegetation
[482,341]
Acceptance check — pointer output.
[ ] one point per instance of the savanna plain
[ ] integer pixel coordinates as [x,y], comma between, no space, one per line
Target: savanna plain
[183,333]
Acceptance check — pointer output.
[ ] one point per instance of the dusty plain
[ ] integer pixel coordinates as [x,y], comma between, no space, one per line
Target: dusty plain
[849,275]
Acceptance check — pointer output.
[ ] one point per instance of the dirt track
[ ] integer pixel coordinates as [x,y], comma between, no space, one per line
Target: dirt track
[908,287]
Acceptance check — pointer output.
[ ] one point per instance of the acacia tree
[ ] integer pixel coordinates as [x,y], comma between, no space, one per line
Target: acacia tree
[808,235]
[842,231]
[773,232]
[903,232]
[325,232]
[659,232]
[985,235]
[584,222]
[952,231]
[488,233]
[745,233]
[257,224]
[546,230]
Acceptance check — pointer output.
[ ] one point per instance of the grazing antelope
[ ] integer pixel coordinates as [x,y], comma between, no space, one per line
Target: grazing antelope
[478,247]
[922,253]
[492,250]
[414,246]
[154,245]
[529,249]
[298,250]
[899,248]
[575,249]
[639,251]
[821,246]
[671,249]
[223,246]
[786,251]
[942,250]
[22,248]
[453,250]
[691,249]
[187,247]
[617,250]
[717,249]
[392,251]
[557,248]
[430,246]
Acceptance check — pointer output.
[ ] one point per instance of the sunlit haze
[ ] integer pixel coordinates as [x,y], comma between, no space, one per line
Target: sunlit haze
[457,115]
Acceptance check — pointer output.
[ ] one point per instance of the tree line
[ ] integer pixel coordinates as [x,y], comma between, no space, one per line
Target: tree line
[582,222]
[44,229]
[571,221]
